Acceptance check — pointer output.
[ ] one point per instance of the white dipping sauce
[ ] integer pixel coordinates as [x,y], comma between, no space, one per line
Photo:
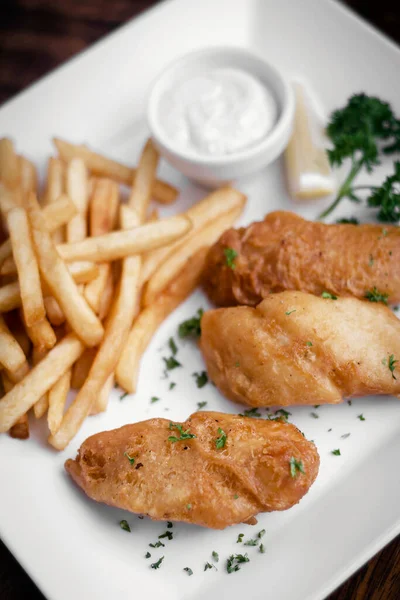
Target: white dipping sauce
[217,113]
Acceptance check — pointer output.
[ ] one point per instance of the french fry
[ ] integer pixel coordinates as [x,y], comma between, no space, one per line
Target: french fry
[41,334]
[8,199]
[102,399]
[12,356]
[53,311]
[27,267]
[103,213]
[81,368]
[104,167]
[200,214]
[176,261]
[83,271]
[143,183]
[9,168]
[107,297]
[19,332]
[148,321]
[107,356]
[40,407]
[77,190]
[57,398]
[54,271]
[55,187]
[55,215]
[10,297]
[27,175]
[119,244]
[21,428]
[39,380]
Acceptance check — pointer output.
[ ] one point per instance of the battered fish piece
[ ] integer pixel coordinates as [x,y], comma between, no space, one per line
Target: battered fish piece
[286,252]
[198,479]
[296,348]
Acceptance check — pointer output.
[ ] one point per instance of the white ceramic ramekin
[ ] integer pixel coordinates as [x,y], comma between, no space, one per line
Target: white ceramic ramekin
[214,171]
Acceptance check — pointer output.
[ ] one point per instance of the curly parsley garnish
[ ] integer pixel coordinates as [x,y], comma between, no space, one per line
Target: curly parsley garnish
[230,255]
[201,379]
[183,435]
[191,327]
[296,467]
[233,562]
[375,296]
[221,440]
[357,131]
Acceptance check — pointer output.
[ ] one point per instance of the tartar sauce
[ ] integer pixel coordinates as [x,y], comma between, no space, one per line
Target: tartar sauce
[217,113]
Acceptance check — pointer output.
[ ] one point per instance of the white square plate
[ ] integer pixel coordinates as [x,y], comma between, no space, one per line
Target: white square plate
[73,547]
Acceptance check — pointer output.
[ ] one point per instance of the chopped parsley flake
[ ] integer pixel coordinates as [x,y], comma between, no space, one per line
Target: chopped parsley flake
[392,365]
[157,564]
[201,405]
[237,364]
[317,405]
[375,296]
[262,549]
[209,566]
[188,571]
[130,458]
[251,412]
[345,435]
[289,312]
[328,296]
[157,545]
[166,534]
[173,346]
[233,562]
[251,543]
[201,379]
[361,417]
[147,555]
[125,525]
[191,327]
[348,221]
[240,538]
[154,399]
[221,440]
[169,524]
[171,363]
[283,414]
[215,556]
[296,466]
[314,415]
[349,402]
[236,496]
[230,255]
[183,435]
[309,344]
[261,533]
[172,385]
[189,506]
[371,260]
[123,396]
[336,452]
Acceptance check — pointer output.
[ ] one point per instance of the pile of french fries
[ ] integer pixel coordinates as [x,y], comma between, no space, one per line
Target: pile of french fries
[86,279]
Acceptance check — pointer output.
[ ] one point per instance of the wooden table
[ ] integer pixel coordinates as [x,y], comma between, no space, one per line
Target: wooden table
[35,37]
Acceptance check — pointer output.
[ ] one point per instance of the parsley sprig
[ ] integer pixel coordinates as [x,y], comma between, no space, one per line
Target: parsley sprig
[361,131]
[191,327]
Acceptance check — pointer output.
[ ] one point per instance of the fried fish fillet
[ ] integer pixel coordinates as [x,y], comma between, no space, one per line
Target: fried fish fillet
[286,252]
[296,348]
[143,469]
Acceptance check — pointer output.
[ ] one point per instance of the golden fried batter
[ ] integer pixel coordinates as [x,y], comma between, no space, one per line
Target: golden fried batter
[193,480]
[296,348]
[286,252]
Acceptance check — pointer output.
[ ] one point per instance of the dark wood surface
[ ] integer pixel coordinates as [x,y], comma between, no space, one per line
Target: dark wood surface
[38,35]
